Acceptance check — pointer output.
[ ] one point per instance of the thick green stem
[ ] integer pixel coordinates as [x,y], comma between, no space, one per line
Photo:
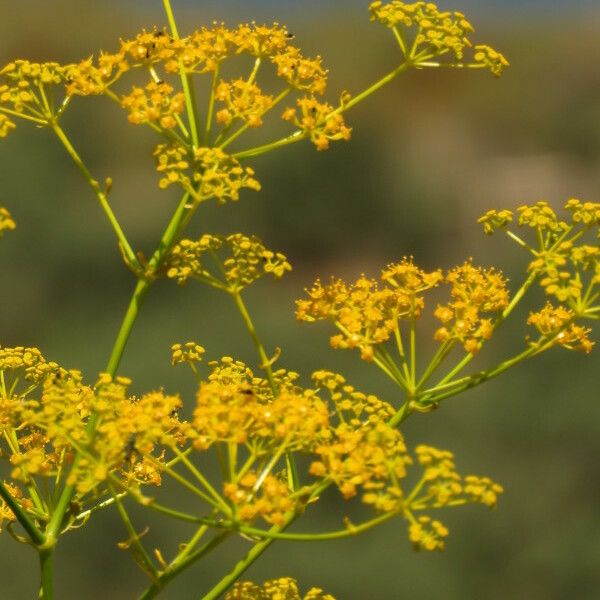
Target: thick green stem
[54,526]
[47,574]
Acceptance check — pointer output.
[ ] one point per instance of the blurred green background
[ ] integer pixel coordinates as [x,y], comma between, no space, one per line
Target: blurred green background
[429,154]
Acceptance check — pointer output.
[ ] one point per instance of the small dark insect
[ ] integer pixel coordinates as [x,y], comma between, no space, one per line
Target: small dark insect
[289,35]
[130,447]
[147,52]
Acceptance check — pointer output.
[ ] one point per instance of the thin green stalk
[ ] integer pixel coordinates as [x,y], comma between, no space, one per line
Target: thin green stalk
[438,357]
[246,125]
[136,545]
[255,552]
[319,537]
[102,198]
[186,81]
[211,106]
[171,572]
[141,289]
[265,361]
[47,574]
[14,113]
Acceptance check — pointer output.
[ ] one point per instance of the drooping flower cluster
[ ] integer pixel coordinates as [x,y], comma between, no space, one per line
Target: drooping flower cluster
[205,173]
[437,33]
[478,295]
[247,261]
[284,588]
[7,223]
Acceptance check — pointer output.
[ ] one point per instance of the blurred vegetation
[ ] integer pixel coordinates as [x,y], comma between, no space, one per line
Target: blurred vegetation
[428,156]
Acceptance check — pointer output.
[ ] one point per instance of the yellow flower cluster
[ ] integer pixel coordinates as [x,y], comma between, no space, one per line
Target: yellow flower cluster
[490,59]
[190,352]
[565,265]
[494,220]
[269,498]
[87,79]
[6,125]
[443,485]
[304,74]
[427,534]
[249,260]
[243,100]
[556,324]
[319,122]
[207,173]
[235,406]
[47,431]
[540,216]
[6,221]
[371,456]
[478,295]
[366,313]
[351,405]
[23,87]
[284,588]
[155,103]
[28,362]
[437,32]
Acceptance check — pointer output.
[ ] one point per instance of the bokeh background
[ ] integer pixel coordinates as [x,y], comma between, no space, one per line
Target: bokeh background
[429,154]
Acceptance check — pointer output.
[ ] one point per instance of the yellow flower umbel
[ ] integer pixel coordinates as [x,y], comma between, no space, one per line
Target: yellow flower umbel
[425,34]
[565,261]
[247,260]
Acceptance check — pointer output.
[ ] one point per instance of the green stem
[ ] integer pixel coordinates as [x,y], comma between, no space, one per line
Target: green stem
[47,574]
[141,289]
[102,198]
[186,82]
[266,363]
[211,106]
[255,552]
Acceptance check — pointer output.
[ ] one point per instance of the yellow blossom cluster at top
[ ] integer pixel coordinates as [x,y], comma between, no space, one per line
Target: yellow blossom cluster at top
[284,588]
[437,33]
[248,260]
[7,223]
